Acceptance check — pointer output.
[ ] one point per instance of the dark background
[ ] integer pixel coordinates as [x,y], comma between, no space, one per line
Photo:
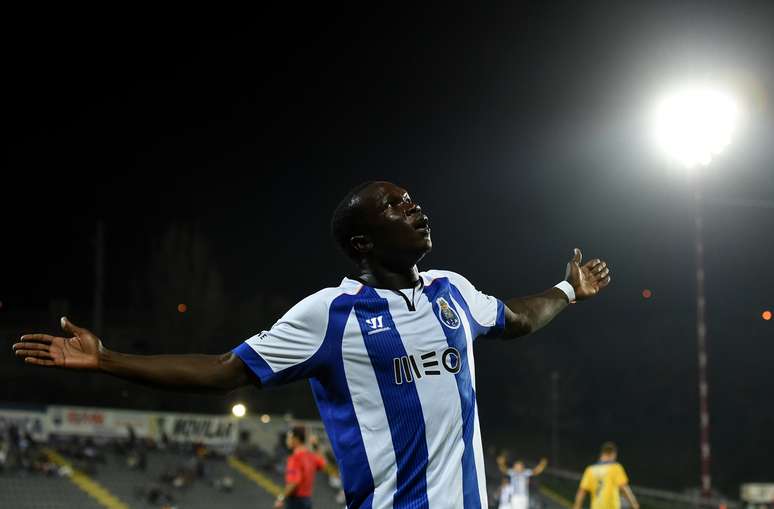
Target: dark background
[214,146]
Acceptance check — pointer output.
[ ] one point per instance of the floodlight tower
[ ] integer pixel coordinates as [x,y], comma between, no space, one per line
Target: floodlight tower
[693,125]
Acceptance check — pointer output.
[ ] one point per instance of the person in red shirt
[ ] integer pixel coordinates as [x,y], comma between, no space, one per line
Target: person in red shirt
[300,472]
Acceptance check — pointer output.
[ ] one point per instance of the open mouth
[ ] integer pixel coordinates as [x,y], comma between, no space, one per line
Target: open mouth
[422,225]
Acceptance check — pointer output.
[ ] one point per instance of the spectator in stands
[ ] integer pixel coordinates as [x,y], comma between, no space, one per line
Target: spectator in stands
[3,455]
[300,472]
[164,444]
[605,480]
[195,463]
[224,484]
[155,495]
[131,436]
[14,446]
[519,477]
[137,458]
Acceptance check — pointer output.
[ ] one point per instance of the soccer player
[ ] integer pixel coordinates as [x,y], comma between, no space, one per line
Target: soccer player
[605,480]
[300,472]
[388,352]
[519,480]
[504,493]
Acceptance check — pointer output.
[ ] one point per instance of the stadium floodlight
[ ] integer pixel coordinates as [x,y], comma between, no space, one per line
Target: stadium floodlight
[239,410]
[693,124]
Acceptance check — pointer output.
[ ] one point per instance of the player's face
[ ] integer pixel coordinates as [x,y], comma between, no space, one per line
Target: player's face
[398,230]
[518,466]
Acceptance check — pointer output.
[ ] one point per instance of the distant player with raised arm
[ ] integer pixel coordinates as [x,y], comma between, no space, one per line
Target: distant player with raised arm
[519,477]
[605,480]
[388,352]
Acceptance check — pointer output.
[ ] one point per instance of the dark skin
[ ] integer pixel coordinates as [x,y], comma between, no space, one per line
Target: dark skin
[394,238]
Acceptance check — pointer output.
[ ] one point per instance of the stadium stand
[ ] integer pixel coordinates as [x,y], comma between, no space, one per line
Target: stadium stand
[61,471]
[19,491]
[169,480]
[76,457]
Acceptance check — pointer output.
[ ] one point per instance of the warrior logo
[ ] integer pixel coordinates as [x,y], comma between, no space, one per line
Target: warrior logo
[376,325]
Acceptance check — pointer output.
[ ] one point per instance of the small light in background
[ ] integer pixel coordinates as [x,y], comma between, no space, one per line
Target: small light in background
[265,418]
[239,410]
[766,315]
[646,294]
[182,308]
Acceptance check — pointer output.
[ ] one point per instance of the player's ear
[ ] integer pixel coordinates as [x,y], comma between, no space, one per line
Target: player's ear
[361,244]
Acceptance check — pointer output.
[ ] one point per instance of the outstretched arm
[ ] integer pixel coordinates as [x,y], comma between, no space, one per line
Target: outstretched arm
[525,315]
[501,464]
[83,350]
[540,467]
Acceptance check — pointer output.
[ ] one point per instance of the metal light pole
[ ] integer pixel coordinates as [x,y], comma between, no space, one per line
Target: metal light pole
[694,124]
[555,418]
[701,339]
[701,325]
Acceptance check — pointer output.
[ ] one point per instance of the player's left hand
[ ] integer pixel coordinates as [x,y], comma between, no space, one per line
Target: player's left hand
[587,279]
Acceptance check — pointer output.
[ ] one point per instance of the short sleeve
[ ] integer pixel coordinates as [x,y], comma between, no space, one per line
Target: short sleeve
[620,476]
[487,312]
[290,350]
[587,481]
[528,472]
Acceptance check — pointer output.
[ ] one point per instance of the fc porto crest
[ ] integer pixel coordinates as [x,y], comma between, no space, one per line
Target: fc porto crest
[447,314]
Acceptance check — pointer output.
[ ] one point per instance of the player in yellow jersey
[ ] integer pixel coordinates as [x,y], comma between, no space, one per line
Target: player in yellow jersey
[605,481]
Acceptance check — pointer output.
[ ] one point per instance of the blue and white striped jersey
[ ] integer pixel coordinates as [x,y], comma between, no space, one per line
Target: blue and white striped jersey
[505,494]
[395,387]
[520,481]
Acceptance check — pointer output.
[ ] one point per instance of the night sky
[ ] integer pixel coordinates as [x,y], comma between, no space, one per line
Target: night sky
[520,129]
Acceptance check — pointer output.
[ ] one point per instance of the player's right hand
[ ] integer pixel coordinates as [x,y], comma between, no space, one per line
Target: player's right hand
[81,351]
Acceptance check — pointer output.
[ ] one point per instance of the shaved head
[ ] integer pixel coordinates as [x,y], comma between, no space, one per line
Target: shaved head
[380,220]
[347,219]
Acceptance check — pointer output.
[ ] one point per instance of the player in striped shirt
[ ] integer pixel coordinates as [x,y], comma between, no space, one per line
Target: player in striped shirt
[519,476]
[504,494]
[388,353]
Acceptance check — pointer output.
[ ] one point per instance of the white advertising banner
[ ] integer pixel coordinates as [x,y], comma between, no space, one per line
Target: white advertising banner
[758,493]
[215,430]
[207,429]
[34,423]
[100,422]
